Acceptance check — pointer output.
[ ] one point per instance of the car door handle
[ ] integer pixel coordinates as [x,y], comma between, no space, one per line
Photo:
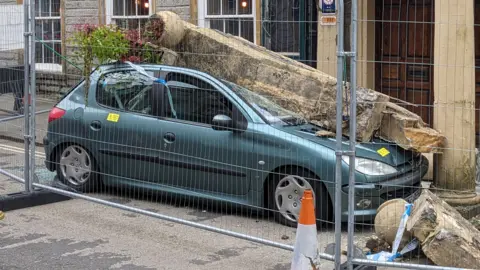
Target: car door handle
[95,125]
[169,137]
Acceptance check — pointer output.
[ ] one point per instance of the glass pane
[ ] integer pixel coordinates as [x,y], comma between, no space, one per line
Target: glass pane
[196,101]
[244,6]
[57,34]
[133,24]
[47,30]
[37,8]
[122,23]
[38,29]
[213,7]
[55,7]
[130,8]
[143,22]
[143,8]
[48,54]
[216,24]
[231,26]
[45,8]
[284,33]
[118,7]
[38,52]
[58,50]
[229,7]
[247,29]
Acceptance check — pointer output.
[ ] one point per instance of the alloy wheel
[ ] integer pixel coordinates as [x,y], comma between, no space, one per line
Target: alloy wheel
[288,196]
[75,165]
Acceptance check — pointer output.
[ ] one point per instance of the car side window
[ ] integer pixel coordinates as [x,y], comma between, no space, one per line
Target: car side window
[194,100]
[125,91]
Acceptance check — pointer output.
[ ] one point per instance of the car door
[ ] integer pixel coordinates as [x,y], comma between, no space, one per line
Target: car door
[125,130]
[198,156]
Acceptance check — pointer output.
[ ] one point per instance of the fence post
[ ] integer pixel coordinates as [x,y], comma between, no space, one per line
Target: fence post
[32,96]
[26,101]
[353,132]
[339,120]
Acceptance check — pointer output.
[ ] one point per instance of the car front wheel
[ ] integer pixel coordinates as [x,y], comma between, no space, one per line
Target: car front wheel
[286,192]
[76,168]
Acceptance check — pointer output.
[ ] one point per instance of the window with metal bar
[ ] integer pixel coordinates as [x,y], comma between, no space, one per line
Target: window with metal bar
[48,32]
[235,17]
[130,14]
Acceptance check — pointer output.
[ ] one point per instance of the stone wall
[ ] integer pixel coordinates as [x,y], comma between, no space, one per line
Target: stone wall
[52,85]
[181,7]
[78,12]
[8,2]
[11,58]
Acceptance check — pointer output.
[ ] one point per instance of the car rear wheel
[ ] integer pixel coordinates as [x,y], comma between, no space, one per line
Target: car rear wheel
[285,194]
[76,168]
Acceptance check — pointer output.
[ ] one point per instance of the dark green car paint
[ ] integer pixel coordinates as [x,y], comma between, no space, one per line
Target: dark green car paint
[222,165]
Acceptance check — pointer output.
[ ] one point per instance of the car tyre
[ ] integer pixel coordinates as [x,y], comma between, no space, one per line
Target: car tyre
[280,193]
[76,168]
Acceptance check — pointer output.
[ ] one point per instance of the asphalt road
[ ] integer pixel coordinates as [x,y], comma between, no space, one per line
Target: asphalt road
[77,234]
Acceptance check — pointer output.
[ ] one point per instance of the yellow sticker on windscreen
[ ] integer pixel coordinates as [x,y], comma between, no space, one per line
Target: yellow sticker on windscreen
[383,152]
[113,117]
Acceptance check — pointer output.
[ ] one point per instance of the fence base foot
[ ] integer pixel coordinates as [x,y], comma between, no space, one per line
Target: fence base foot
[20,200]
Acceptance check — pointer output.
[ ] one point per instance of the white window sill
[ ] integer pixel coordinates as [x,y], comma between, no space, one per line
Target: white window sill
[48,67]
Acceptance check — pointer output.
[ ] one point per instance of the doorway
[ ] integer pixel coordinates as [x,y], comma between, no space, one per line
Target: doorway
[404,33]
[290,28]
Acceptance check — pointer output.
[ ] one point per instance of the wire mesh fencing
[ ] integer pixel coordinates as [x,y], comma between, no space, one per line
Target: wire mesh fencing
[224,125]
[12,156]
[194,147]
[412,52]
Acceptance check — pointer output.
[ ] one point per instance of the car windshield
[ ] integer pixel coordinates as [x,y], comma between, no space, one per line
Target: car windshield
[271,111]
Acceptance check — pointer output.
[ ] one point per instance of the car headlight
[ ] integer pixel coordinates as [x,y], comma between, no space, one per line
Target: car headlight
[370,167]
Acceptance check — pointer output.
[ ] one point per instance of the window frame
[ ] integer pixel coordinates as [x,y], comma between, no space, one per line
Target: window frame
[110,17]
[39,19]
[204,18]
[204,80]
[238,112]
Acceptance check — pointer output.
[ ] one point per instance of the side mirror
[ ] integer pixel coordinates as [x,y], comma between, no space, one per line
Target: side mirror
[222,122]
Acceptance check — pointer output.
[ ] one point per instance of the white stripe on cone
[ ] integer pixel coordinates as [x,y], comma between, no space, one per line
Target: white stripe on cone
[305,248]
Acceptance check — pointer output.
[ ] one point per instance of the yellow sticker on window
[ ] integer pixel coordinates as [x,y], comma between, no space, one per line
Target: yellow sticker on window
[383,152]
[113,117]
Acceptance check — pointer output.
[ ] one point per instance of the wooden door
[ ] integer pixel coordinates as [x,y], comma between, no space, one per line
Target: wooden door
[477,67]
[404,53]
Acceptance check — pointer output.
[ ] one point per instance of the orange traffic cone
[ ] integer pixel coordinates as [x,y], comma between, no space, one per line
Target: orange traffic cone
[306,248]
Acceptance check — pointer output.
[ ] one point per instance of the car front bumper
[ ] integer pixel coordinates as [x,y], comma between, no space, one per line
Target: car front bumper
[369,196]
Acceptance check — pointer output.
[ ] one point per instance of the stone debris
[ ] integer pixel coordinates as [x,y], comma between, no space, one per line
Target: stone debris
[476,222]
[325,133]
[446,238]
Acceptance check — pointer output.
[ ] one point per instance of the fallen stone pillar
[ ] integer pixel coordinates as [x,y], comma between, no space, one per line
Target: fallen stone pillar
[446,238]
[302,89]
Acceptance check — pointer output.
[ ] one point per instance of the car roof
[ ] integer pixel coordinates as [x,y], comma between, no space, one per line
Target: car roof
[104,68]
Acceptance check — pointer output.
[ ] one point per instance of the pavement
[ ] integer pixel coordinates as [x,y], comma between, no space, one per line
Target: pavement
[14,129]
[77,234]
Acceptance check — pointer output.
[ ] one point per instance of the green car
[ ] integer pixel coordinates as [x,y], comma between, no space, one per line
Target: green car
[182,131]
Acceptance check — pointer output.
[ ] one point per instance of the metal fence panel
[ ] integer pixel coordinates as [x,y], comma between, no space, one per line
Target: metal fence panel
[187,147]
